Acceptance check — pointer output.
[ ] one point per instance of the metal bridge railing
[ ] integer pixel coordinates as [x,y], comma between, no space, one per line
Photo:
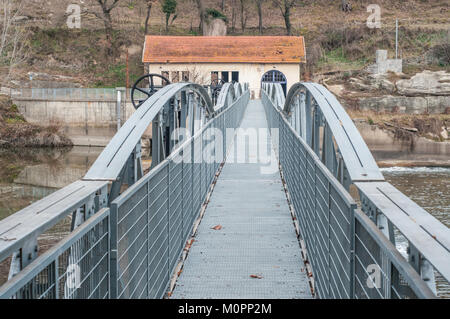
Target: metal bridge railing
[349,254]
[76,268]
[71,94]
[152,220]
[131,249]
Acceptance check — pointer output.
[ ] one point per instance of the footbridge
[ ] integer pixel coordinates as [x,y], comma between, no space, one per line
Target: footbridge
[272,198]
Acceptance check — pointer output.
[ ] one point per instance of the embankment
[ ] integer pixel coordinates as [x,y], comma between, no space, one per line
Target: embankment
[15,131]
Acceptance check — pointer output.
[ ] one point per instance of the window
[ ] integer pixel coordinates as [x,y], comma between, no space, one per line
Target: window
[235,76]
[185,76]
[166,75]
[175,76]
[225,76]
[214,78]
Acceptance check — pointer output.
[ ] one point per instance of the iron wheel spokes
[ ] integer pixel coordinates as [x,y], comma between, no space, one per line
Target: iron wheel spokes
[152,88]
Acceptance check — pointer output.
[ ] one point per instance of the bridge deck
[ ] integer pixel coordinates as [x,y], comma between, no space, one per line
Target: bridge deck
[257,235]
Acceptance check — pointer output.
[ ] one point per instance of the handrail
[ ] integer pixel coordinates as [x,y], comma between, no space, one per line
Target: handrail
[358,159]
[19,232]
[226,96]
[109,164]
[27,224]
[49,261]
[428,238]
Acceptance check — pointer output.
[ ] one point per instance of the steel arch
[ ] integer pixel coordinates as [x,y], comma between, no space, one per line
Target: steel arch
[109,164]
[310,106]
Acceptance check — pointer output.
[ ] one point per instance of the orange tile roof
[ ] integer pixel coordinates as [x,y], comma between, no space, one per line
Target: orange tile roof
[224,49]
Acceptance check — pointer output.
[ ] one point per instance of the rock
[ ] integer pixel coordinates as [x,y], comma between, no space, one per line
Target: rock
[359,84]
[381,82]
[215,27]
[425,83]
[336,89]
[406,104]
[21,18]
[135,49]
[444,133]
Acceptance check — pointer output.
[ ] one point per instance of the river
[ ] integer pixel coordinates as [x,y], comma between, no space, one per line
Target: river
[29,175]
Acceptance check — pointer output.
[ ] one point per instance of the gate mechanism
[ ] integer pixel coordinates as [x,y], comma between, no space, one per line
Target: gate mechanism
[147,90]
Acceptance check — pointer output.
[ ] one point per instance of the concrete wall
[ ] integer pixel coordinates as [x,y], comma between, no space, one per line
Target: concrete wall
[251,73]
[383,64]
[73,113]
[86,123]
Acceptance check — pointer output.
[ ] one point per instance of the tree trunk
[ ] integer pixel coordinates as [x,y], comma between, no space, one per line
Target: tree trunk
[149,9]
[107,20]
[233,16]
[243,19]
[260,22]
[167,22]
[109,32]
[287,20]
[201,13]
[222,5]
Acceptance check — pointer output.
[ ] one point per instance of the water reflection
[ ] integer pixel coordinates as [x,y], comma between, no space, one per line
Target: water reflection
[385,148]
[429,187]
[27,175]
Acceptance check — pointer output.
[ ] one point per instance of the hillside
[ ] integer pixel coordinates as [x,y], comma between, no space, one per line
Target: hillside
[335,41]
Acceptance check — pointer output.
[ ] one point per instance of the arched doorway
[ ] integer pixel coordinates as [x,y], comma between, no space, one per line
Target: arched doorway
[274,76]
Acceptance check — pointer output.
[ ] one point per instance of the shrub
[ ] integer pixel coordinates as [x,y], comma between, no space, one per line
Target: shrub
[216,14]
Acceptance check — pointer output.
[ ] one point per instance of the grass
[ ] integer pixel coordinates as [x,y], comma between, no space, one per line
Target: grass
[336,59]
[15,120]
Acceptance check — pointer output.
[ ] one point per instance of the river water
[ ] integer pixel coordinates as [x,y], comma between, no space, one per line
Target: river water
[29,175]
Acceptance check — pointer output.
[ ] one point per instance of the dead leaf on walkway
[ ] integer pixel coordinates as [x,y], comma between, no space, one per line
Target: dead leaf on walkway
[256,276]
[218,227]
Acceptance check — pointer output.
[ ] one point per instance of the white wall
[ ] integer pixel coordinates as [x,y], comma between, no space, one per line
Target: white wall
[251,73]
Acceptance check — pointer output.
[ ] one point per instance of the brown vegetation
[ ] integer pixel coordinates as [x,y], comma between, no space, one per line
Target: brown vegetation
[335,40]
[16,132]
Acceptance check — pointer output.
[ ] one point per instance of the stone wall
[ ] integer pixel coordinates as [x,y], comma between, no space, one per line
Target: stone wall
[406,104]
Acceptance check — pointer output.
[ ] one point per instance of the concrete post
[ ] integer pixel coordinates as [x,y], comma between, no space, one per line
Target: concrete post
[119,91]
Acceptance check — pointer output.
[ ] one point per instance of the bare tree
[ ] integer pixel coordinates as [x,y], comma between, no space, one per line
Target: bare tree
[12,36]
[149,4]
[233,16]
[107,6]
[259,4]
[244,14]
[201,13]
[285,7]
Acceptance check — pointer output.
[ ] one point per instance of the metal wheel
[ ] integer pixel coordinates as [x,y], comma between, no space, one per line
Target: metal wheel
[148,88]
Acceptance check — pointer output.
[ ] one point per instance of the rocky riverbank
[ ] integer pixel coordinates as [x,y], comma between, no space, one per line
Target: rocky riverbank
[15,131]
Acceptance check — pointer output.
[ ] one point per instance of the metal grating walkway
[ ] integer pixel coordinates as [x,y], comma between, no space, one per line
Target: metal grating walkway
[257,235]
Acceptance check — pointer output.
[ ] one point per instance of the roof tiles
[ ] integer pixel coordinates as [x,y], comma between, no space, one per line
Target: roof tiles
[224,49]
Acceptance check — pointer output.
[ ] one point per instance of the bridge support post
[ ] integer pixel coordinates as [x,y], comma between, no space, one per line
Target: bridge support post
[23,257]
[423,267]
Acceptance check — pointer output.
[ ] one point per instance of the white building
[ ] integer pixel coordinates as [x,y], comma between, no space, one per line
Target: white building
[205,60]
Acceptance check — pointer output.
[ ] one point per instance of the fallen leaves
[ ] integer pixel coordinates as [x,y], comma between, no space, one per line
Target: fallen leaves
[189,244]
[218,227]
[256,276]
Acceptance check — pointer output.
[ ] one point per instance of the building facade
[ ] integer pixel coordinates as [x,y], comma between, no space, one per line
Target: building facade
[209,60]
